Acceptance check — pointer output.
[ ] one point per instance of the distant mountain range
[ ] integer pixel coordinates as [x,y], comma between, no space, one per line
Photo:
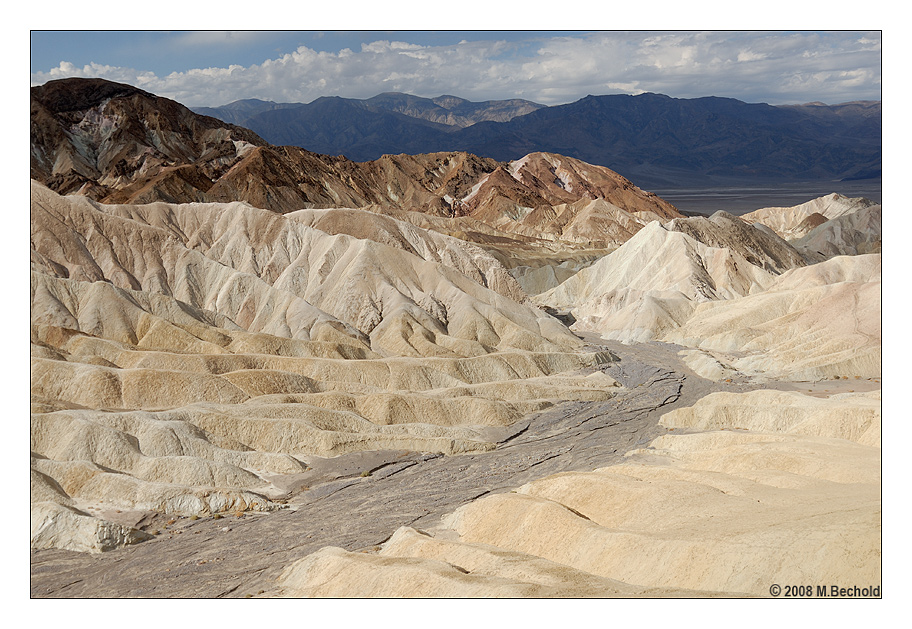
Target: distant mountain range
[654,139]
[450,111]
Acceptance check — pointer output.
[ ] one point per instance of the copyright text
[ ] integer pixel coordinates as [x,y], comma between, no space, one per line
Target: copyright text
[824,591]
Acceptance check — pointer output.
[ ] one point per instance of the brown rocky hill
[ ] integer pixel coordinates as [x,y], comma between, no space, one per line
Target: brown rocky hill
[118,144]
[96,137]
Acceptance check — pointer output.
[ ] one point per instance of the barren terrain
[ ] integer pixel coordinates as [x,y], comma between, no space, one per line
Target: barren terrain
[258,371]
[239,556]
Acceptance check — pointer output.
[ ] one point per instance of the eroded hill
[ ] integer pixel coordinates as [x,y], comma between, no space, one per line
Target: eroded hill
[224,327]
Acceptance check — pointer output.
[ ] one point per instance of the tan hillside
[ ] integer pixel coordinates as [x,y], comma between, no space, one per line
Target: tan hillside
[787,491]
[812,323]
[468,259]
[183,354]
[809,323]
[560,198]
[793,222]
[756,245]
[653,282]
[239,255]
[565,179]
[851,234]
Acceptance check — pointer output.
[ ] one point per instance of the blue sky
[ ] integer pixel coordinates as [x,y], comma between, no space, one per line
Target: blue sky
[551,67]
[163,52]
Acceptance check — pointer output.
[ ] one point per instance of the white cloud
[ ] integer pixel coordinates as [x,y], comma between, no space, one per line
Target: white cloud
[112,73]
[749,55]
[755,67]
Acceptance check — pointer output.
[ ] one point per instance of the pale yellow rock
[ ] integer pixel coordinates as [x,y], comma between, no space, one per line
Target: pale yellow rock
[652,283]
[413,564]
[43,488]
[465,257]
[56,526]
[706,365]
[851,416]
[333,572]
[780,488]
[851,234]
[270,274]
[147,461]
[704,510]
[184,354]
[544,278]
[812,323]
[790,222]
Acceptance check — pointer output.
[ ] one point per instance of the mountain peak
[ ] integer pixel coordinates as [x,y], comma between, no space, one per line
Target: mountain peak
[448,101]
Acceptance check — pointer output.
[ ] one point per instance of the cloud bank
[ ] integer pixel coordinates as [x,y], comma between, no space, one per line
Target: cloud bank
[771,67]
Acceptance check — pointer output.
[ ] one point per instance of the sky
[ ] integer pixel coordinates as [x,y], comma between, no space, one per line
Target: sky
[212,68]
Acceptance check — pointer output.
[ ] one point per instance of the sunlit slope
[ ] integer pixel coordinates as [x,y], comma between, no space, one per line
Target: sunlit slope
[766,487]
[183,354]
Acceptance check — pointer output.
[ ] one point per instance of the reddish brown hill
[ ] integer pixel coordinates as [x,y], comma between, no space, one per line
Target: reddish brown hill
[560,179]
[95,137]
[118,144]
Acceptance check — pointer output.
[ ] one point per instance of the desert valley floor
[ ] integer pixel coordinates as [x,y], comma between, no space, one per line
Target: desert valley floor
[262,372]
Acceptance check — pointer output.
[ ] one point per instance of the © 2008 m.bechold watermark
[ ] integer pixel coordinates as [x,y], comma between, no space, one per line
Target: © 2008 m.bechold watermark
[824,591]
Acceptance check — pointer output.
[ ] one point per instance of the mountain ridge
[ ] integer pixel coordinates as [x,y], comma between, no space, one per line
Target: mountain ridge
[444,109]
[654,138]
[125,146]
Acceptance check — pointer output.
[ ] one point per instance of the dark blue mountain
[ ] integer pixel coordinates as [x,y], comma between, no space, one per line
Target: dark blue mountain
[653,139]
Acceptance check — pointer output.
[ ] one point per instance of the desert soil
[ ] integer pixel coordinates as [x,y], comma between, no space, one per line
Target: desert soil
[336,503]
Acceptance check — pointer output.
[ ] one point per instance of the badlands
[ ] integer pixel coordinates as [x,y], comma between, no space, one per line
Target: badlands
[433,375]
